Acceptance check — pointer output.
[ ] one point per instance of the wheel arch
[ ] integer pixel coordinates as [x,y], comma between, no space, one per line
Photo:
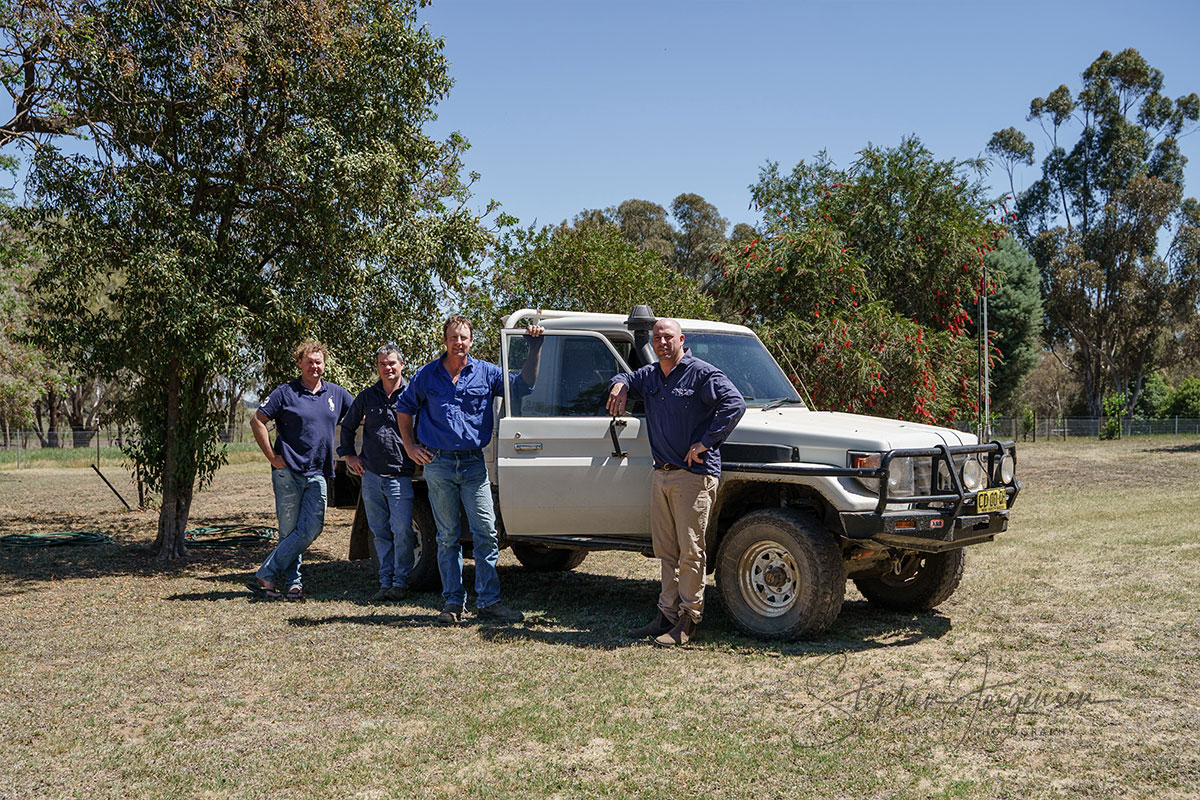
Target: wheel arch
[740,496]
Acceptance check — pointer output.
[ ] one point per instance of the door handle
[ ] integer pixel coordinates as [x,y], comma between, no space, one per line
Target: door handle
[612,431]
[521,447]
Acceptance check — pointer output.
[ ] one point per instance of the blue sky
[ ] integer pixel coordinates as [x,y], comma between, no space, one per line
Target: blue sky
[573,104]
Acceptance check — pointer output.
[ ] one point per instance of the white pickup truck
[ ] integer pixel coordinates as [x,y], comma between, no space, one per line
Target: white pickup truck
[806,500]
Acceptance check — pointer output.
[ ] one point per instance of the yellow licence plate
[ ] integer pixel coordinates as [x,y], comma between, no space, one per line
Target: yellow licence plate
[991,500]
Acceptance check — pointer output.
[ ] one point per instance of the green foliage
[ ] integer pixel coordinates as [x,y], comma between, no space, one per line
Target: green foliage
[589,268]
[247,190]
[1114,409]
[1028,421]
[1185,400]
[1014,317]
[862,279]
[701,233]
[1154,399]
[1094,219]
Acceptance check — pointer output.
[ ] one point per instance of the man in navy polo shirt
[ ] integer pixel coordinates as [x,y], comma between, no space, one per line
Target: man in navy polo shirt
[306,412]
[691,407]
[454,394]
[386,473]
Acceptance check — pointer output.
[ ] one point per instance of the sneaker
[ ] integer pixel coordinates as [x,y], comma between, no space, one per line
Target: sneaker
[499,612]
[656,627]
[382,596]
[397,593]
[450,615]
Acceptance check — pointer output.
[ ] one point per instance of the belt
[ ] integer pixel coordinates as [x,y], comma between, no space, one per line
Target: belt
[455,452]
[668,467]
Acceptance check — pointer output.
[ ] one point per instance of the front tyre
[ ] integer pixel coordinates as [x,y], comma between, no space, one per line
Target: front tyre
[780,575]
[915,582]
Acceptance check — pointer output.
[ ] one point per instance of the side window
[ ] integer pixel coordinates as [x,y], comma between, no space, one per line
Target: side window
[572,379]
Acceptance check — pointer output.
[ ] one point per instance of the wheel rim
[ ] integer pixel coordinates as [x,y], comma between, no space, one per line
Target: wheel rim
[768,578]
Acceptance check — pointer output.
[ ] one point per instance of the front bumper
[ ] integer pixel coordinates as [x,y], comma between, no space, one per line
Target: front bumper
[930,523]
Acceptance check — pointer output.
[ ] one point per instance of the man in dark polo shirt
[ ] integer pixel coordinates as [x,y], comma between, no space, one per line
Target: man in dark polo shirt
[691,407]
[453,395]
[306,412]
[386,473]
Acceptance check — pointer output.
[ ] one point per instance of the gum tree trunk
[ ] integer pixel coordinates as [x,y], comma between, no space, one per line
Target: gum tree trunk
[176,489]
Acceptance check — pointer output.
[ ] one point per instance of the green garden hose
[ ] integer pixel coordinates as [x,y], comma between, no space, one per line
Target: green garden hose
[54,538]
[213,536]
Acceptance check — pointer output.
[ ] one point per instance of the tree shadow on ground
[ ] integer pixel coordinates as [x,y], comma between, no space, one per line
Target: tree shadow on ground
[130,554]
[1193,447]
[594,611]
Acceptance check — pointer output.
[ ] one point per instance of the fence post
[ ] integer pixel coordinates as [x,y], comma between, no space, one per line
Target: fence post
[18,448]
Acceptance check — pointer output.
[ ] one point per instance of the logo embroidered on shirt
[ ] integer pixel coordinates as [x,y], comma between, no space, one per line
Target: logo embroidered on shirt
[679,391]
[331,408]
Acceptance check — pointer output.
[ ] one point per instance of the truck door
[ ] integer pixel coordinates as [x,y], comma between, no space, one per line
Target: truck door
[555,460]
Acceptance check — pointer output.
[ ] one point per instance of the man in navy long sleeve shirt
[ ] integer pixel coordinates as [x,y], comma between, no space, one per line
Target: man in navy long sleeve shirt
[691,407]
[386,473]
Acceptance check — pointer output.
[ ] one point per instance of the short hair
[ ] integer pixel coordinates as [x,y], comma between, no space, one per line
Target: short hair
[388,349]
[310,346]
[458,319]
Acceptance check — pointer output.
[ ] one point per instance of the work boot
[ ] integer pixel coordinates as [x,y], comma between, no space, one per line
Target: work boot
[397,593]
[656,627]
[683,632]
[450,615]
[382,596]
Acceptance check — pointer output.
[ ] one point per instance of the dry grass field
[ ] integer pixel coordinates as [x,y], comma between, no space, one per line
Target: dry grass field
[1067,665]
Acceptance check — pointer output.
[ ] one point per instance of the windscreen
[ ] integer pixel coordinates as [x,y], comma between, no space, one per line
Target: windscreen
[747,363]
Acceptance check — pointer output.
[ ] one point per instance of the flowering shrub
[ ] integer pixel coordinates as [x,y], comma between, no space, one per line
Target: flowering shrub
[863,282]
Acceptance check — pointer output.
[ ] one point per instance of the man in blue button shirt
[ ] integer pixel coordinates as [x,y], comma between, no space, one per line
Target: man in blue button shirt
[691,407]
[306,413]
[453,395]
[386,473]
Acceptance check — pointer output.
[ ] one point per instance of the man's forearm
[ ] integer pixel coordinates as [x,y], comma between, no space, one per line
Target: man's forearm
[405,423]
[262,436]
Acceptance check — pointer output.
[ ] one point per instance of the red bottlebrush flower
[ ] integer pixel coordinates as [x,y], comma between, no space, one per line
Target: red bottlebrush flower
[817,314]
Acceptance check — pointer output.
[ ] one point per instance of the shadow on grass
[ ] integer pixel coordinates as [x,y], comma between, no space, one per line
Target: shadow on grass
[594,611]
[130,554]
[1193,447]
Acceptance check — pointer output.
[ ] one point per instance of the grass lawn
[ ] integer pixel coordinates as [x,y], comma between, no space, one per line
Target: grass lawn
[1066,665]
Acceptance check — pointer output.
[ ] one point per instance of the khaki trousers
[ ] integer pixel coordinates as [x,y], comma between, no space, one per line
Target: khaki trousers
[680,502]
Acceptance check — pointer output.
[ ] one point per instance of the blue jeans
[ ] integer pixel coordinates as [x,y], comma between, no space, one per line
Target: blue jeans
[389,506]
[300,508]
[456,476]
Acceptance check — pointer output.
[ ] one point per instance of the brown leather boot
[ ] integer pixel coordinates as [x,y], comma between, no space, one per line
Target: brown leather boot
[656,627]
[683,632]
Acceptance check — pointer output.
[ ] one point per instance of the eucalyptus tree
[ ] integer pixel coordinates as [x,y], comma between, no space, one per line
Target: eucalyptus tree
[1111,189]
[258,171]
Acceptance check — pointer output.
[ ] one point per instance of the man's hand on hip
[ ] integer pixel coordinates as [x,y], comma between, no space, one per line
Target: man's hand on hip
[695,454]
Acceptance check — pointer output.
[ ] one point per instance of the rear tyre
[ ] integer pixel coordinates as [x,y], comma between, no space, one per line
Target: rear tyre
[540,558]
[424,573]
[925,581]
[780,575]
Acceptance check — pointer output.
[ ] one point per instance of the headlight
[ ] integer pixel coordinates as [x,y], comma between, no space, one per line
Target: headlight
[973,475]
[1006,470]
[900,473]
